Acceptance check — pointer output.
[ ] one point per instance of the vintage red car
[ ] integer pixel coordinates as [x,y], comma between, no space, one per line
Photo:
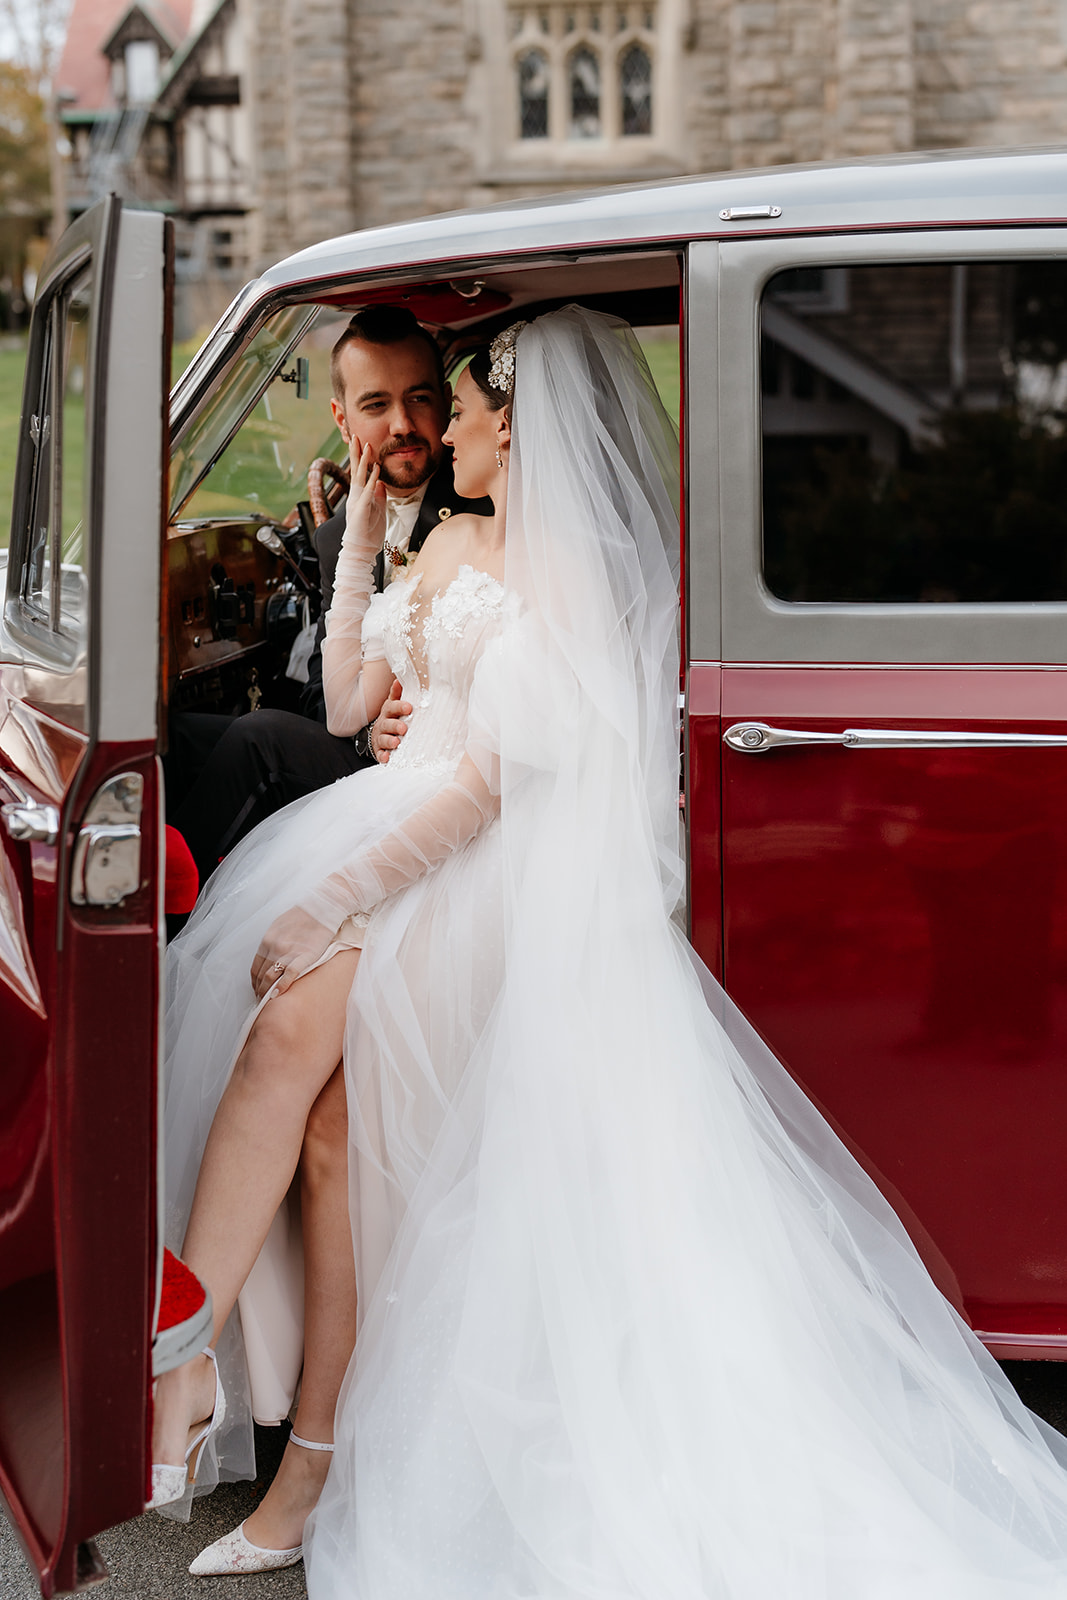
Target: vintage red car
[872,366]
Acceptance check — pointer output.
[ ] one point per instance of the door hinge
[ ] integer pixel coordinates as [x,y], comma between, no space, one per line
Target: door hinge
[26,818]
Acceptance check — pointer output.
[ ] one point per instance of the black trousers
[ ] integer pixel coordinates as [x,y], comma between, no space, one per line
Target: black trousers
[225,774]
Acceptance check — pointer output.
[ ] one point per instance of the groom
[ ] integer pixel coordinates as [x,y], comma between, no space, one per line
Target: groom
[389,391]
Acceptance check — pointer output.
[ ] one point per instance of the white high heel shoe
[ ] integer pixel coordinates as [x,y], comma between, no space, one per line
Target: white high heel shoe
[233,1554]
[171,1483]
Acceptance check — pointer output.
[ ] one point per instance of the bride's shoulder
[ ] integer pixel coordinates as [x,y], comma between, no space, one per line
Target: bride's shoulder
[444,548]
[461,525]
[441,539]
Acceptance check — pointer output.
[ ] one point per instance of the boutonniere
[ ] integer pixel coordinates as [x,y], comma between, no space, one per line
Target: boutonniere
[395,556]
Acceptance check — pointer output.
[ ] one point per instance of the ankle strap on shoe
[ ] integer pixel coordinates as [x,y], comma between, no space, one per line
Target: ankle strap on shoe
[308,1444]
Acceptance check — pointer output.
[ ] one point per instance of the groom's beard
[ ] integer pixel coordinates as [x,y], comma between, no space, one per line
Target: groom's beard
[409,471]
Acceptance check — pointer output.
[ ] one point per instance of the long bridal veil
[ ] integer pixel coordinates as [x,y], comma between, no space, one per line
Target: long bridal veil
[643,1328]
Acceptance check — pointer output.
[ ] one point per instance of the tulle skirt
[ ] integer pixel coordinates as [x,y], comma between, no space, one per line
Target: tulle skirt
[646,1330]
[442,931]
[632,1321]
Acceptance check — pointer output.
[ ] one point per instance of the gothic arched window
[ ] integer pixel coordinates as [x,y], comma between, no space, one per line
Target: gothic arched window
[587,72]
[533,95]
[584,78]
[635,91]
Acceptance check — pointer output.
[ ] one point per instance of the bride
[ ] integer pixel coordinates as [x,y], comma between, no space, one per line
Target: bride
[631,1321]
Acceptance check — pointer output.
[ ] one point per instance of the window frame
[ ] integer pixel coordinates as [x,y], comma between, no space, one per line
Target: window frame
[559,46]
[756,625]
[506,157]
[37,626]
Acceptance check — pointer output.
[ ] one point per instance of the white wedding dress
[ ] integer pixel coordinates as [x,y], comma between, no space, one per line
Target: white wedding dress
[632,1322]
[447,927]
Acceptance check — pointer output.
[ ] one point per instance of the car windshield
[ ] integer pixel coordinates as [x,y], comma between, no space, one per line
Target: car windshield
[234,401]
[247,453]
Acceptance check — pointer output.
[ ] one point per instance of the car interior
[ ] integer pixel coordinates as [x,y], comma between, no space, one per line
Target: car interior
[260,465]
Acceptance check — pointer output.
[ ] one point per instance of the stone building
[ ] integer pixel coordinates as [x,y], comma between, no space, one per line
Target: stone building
[273,123]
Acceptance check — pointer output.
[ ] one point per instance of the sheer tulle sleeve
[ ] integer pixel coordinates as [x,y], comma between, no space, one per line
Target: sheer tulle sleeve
[372,639]
[348,708]
[450,819]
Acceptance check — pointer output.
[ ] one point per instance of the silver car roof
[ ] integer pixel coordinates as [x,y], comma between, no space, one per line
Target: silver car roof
[913,190]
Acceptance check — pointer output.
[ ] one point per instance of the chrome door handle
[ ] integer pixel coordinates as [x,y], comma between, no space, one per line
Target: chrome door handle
[753,738]
[26,818]
[106,864]
[39,823]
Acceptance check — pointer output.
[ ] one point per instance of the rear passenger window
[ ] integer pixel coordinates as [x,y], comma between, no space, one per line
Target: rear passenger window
[914,443]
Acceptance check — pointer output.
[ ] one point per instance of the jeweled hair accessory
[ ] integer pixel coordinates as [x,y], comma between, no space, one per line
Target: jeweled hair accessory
[502,359]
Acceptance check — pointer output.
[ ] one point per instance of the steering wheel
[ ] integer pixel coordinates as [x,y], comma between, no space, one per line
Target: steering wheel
[324,500]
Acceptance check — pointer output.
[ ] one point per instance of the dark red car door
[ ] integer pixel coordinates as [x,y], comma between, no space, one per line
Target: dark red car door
[882,738]
[79,894]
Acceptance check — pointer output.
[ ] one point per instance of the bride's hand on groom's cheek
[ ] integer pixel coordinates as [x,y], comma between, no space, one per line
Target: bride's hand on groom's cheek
[291,945]
[365,513]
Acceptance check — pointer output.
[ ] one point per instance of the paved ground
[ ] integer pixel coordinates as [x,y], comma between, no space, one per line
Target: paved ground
[148,1558]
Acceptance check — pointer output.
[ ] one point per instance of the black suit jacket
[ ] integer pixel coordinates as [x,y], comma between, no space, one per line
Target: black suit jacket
[439,501]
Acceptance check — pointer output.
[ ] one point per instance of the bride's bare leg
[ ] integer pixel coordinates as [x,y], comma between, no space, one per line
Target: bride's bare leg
[249,1161]
[329,1321]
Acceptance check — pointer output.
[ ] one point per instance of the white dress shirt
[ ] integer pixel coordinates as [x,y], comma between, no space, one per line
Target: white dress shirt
[401,515]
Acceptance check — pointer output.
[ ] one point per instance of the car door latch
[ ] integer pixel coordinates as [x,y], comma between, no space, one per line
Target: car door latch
[106,863]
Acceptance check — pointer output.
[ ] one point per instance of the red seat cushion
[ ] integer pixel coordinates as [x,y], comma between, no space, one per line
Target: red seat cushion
[183,1293]
[182,879]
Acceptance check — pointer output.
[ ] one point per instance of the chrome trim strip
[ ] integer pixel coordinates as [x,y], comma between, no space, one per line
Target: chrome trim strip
[1025,1341]
[753,738]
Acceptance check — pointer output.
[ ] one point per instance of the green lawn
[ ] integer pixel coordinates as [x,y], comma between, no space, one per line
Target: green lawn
[12,363]
[661,353]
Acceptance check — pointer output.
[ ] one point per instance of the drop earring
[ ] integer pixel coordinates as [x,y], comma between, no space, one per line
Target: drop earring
[499,459]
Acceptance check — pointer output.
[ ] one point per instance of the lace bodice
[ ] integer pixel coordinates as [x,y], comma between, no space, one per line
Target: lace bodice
[433,645]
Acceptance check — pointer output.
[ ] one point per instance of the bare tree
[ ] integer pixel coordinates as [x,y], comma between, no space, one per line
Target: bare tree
[35,30]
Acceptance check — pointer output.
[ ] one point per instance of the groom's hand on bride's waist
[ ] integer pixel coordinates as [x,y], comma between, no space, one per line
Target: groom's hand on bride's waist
[391,724]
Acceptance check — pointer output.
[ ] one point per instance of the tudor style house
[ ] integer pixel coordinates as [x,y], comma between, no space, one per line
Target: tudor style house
[151,96]
[266,125]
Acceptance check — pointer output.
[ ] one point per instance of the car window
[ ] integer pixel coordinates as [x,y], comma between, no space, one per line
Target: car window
[913,437]
[51,586]
[274,435]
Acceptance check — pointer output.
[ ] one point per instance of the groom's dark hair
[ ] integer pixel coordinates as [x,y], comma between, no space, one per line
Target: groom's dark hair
[383,325]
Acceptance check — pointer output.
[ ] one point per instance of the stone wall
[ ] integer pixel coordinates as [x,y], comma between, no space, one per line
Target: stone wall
[266,89]
[369,112]
[990,73]
[303,129]
[776,81]
[414,134]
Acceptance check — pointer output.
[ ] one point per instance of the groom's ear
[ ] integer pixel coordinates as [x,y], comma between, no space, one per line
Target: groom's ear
[340,419]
